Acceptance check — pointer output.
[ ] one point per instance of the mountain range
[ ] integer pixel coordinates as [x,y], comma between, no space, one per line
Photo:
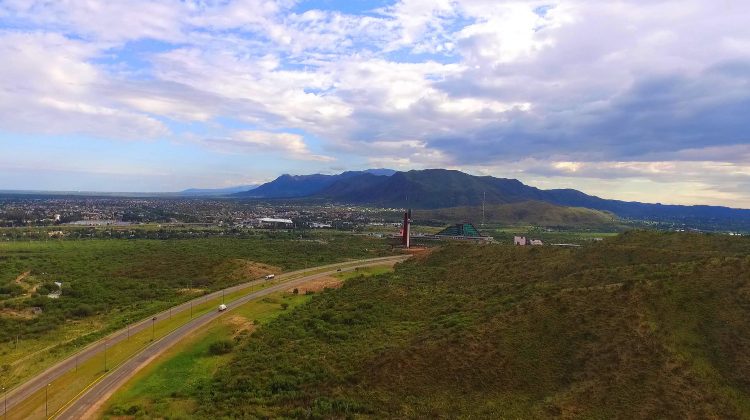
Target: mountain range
[442,188]
[296,186]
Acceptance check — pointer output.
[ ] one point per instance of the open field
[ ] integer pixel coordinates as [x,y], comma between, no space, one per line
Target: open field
[643,325]
[161,389]
[109,283]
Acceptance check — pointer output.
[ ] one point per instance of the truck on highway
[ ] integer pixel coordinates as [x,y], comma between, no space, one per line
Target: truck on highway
[270,276]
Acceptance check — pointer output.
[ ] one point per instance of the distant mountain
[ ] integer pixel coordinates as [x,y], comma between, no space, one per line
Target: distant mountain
[380,172]
[294,186]
[208,192]
[430,189]
[440,188]
[536,213]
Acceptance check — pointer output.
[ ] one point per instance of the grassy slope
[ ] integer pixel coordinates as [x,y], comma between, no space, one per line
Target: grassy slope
[644,325]
[529,212]
[164,387]
[168,386]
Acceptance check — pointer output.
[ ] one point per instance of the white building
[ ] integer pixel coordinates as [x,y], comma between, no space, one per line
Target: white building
[275,223]
[523,241]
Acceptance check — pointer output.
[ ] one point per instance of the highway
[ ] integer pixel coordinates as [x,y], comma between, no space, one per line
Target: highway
[108,383]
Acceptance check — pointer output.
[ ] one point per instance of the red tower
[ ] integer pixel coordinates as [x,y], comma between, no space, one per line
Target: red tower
[406,231]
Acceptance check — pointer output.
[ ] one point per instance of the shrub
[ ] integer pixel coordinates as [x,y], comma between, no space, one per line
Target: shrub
[221,347]
[81,311]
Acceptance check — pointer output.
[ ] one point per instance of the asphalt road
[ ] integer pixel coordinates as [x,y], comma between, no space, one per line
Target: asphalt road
[78,408]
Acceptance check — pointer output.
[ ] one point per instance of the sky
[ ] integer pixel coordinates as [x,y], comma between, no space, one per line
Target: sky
[644,100]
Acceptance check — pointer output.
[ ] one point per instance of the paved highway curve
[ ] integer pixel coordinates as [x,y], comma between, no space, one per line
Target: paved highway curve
[77,408]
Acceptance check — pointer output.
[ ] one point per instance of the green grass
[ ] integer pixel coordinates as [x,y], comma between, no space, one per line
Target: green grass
[163,388]
[534,213]
[108,283]
[642,325]
[169,386]
[74,381]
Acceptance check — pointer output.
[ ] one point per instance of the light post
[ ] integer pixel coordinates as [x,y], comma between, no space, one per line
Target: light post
[152,328]
[105,355]
[222,296]
[46,399]
[128,322]
[5,403]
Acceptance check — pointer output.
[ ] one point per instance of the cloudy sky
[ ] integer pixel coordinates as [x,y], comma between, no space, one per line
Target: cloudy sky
[640,99]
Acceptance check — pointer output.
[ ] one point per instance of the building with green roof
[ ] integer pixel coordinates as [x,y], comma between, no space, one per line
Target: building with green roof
[462,231]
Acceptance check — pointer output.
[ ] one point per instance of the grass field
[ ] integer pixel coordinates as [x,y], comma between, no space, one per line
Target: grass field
[109,283]
[642,325]
[163,389]
[169,386]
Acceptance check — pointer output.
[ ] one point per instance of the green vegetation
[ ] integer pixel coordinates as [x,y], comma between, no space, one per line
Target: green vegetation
[109,283]
[164,388]
[643,325]
[535,213]
[169,386]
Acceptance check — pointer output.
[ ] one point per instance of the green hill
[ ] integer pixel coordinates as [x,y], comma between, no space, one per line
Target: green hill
[643,325]
[535,213]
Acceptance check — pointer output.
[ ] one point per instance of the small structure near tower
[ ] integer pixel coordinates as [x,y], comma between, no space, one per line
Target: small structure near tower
[523,241]
[462,231]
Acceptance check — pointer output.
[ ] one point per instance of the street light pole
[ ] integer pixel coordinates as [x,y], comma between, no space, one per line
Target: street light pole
[152,328]
[105,355]
[5,403]
[46,399]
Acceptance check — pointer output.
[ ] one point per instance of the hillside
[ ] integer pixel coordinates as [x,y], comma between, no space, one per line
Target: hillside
[644,325]
[535,213]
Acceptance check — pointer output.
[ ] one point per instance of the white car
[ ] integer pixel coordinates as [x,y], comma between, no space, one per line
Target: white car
[222,307]
[270,276]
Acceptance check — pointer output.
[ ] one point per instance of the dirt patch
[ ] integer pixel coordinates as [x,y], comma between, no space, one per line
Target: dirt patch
[21,278]
[318,284]
[27,313]
[239,324]
[240,269]
[194,291]
[419,253]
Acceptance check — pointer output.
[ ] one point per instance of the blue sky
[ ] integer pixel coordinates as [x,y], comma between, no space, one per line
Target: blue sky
[630,99]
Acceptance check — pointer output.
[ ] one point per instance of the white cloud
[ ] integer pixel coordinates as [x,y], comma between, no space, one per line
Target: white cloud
[289,145]
[49,86]
[572,83]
